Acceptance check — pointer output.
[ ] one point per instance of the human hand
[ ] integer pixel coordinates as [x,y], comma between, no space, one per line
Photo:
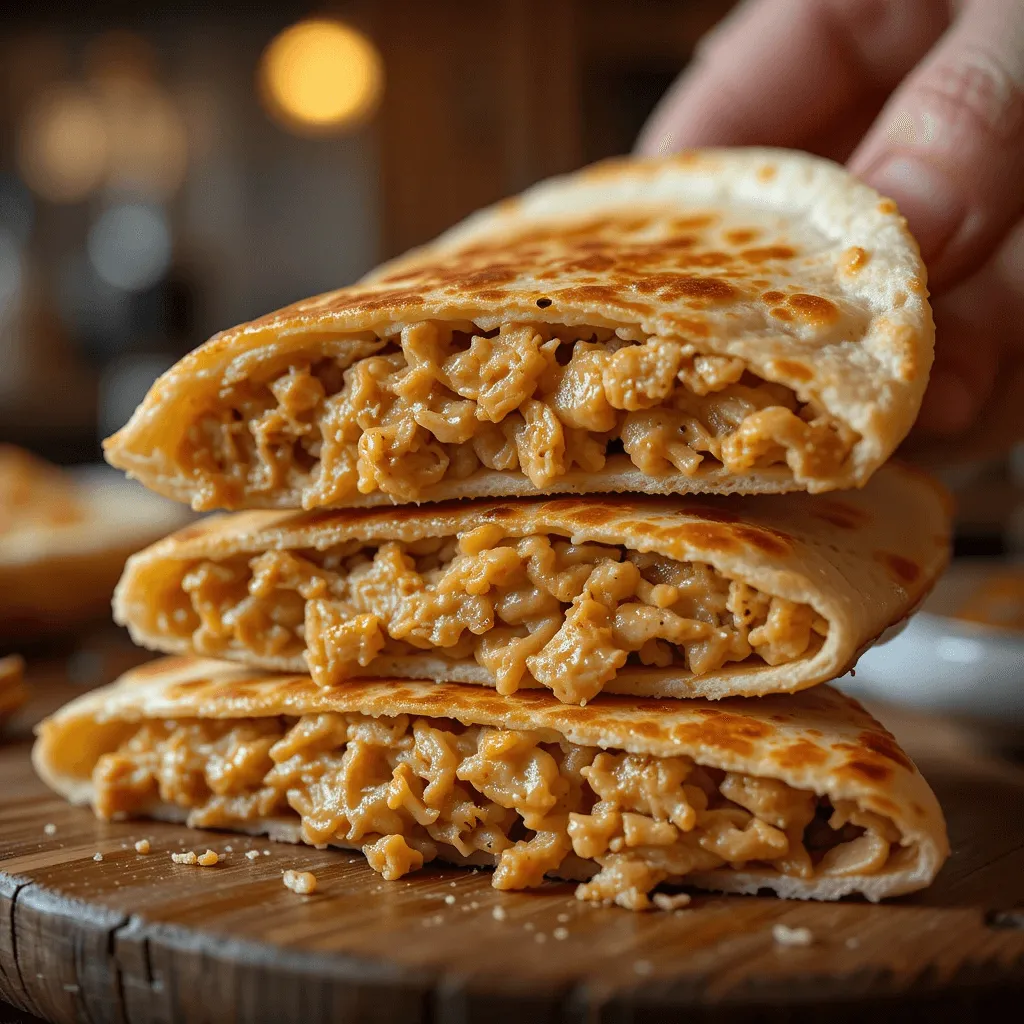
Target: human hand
[925,101]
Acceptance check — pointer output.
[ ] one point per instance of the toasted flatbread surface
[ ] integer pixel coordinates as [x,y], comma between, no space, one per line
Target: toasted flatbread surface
[651,596]
[142,746]
[723,321]
[64,539]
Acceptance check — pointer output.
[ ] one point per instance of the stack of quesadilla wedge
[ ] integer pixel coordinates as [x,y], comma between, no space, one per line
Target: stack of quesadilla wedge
[527,560]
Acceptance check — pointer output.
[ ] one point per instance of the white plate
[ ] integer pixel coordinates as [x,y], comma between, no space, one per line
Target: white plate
[946,664]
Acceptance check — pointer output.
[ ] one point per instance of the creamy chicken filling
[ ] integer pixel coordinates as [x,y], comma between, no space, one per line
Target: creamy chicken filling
[409,789]
[534,609]
[532,398]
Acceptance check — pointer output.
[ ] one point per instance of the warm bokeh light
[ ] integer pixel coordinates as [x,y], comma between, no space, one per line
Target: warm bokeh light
[321,75]
[63,144]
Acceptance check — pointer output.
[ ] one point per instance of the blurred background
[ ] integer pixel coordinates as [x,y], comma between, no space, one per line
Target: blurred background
[170,169]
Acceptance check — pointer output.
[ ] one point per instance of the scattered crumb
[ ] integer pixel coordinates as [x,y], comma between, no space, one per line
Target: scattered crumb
[97,856]
[50,829]
[663,901]
[852,942]
[266,853]
[302,882]
[560,933]
[562,919]
[229,849]
[208,859]
[189,857]
[529,926]
[643,967]
[498,913]
[252,854]
[449,899]
[540,937]
[142,846]
[474,905]
[453,884]
[785,936]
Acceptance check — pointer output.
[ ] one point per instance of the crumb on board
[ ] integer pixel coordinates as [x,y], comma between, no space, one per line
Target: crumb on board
[449,899]
[540,937]
[229,849]
[498,913]
[786,936]
[302,882]
[560,934]
[663,901]
[97,856]
[562,919]
[208,859]
[266,853]
[142,846]
[49,829]
[252,854]
[189,857]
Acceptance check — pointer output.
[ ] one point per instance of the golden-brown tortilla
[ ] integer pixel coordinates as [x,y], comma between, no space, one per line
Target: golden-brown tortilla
[818,741]
[862,560]
[769,264]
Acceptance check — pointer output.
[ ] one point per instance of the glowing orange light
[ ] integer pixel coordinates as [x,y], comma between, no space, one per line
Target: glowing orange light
[63,145]
[321,75]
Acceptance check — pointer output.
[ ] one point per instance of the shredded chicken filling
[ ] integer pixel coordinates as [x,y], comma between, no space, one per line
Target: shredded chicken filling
[409,789]
[533,398]
[530,610]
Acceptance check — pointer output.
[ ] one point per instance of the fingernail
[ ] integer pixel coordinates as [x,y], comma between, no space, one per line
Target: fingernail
[948,406]
[932,204]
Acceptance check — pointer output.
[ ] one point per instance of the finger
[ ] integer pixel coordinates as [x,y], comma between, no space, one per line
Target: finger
[949,145]
[777,72]
[979,327]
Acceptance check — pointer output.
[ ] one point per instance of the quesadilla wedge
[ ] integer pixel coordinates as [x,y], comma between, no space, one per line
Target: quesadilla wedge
[722,321]
[64,539]
[643,595]
[803,794]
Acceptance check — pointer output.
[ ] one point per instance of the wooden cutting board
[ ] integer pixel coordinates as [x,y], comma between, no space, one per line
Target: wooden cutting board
[136,938]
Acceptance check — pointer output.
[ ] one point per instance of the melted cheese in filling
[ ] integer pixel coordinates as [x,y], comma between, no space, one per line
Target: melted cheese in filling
[408,789]
[531,610]
[534,399]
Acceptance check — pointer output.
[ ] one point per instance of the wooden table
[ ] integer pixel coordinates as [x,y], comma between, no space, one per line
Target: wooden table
[136,938]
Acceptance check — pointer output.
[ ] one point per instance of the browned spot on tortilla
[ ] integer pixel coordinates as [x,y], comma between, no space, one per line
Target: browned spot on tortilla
[766,172]
[742,236]
[840,513]
[792,369]
[773,298]
[868,770]
[885,746]
[887,206]
[734,538]
[712,289]
[781,313]
[694,223]
[903,570]
[854,259]
[813,308]
[760,254]
[801,754]
[734,733]
[917,809]
[490,294]
[187,686]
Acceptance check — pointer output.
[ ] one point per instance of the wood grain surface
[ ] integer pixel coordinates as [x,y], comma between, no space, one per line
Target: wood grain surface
[137,938]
